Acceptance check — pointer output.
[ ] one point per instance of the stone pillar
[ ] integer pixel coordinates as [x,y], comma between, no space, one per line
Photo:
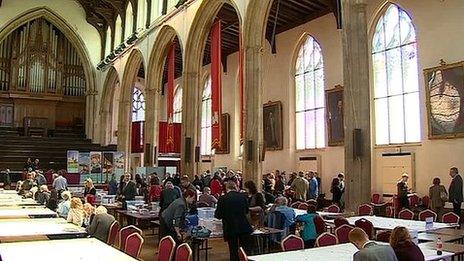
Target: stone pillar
[105,127]
[356,102]
[190,119]
[151,125]
[252,164]
[124,130]
[90,114]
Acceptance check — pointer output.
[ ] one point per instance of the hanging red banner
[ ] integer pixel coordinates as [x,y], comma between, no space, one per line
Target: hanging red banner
[170,101]
[216,84]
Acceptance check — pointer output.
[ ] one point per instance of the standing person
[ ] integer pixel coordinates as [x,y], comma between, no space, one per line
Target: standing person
[155,189]
[28,165]
[255,198]
[336,192]
[141,185]
[60,183]
[121,185]
[405,249]
[402,191]
[455,190]
[216,185]
[279,185]
[197,183]
[168,195]
[341,177]
[129,191]
[89,188]
[172,219]
[36,164]
[319,184]
[232,209]
[313,192]
[369,251]
[438,197]
[300,185]
[112,185]
[206,178]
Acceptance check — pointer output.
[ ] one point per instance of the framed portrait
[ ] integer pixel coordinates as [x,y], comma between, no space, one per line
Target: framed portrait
[225,134]
[444,87]
[272,126]
[335,124]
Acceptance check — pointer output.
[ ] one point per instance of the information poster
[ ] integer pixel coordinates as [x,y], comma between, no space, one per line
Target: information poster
[84,163]
[73,161]
[119,162]
[108,163]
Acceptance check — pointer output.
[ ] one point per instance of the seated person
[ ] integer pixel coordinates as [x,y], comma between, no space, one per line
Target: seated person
[65,204]
[309,233]
[100,225]
[207,198]
[369,251]
[89,188]
[27,184]
[289,213]
[405,249]
[76,212]
[89,213]
[43,195]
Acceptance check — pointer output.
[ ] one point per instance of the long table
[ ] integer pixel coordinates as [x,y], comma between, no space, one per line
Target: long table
[24,212]
[384,223]
[15,230]
[82,249]
[341,252]
[323,214]
[18,202]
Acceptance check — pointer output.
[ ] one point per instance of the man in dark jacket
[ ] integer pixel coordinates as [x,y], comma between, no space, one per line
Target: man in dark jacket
[101,224]
[232,208]
[455,190]
[129,191]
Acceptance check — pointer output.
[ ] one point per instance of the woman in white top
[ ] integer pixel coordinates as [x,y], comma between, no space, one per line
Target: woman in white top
[76,212]
[63,206]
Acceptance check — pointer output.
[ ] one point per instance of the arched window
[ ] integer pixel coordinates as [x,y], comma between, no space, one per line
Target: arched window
[108,41]
[141,14]
[118,31]
[138,105]
[396,83]
[206,115]
[310,97]
[177,105]
[129,25]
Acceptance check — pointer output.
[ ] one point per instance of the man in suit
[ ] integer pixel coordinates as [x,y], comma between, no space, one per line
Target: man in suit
[232,208]
[101,224]
[370,251]
[455,190]
[129,191]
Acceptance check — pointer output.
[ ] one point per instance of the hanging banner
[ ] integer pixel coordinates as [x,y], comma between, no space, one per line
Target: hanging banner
[73,161]
[170,101]
[216,84]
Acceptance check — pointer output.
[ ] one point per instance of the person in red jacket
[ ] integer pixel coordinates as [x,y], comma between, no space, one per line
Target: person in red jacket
[216,185]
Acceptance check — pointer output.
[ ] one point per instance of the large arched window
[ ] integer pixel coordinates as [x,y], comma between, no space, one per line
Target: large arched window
[310,99]
[108,41]
[118,31]
[396,84]
[141,14]
[206,128]
[177,105]
[129,24]
[138,105]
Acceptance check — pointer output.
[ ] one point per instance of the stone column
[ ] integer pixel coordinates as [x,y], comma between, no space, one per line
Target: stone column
[105,127]
[90,114]
[124,130]
[252,164]
[356,102]
[151,125]
[190,119]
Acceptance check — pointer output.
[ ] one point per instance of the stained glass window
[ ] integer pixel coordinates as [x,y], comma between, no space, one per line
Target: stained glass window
[177,105]
[396,83]
[138,105]
[206,114]
[310,98]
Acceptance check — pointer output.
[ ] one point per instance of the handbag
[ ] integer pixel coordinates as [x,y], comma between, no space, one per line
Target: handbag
[200,232]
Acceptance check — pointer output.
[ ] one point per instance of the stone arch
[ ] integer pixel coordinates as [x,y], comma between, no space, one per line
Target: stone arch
[78,44]
[133,63]
[107,99]
[192,80]
[160,49]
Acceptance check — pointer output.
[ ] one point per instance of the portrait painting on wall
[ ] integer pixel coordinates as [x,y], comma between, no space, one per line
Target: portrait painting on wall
[225,134]
[444,87]
[272,126]
[334,116]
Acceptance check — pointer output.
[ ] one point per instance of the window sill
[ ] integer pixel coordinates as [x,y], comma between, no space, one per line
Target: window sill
[402,145]
[310,150]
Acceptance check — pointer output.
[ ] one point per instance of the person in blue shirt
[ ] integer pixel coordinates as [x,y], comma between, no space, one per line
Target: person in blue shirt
[308,233]
[313,191]
[289,213]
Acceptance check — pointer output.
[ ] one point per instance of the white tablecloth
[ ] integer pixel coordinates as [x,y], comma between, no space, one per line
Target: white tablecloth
[37,226]
[323,214]
[24,212]
[82,249]
[341,252]
[17,202]
[390,223]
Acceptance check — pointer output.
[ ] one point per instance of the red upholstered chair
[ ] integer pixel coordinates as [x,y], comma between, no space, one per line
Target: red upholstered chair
[365,225]
[326,239]
[406,214]
[450,217]
[166,248]
[413,200]
[426,201]
[320,224]
[242,256]
[124,233]
[303,206]
[339,221]
[376,198]
[295,204]
[333,209]
[183,252]
[426,214]
[384,236]
[113,233]
[342,233]
[365,210]
[292,242]
[390,211]
[133,245]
